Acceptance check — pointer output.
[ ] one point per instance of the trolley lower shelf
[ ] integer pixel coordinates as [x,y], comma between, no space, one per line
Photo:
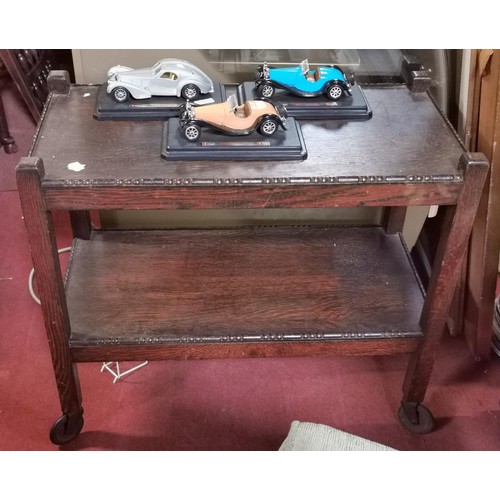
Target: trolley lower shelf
[241,292]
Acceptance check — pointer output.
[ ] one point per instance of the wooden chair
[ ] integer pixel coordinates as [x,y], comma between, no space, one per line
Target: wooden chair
[6,140]
[29,68]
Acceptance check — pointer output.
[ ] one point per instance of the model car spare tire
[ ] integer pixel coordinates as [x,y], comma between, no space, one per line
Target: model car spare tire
[120,94]
[265,90]
[334,92]
[268,126]
[281,109]
[190,92]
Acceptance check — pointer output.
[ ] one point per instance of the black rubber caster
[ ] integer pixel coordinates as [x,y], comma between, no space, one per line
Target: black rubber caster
[416,417]
[10,146]
[66,428]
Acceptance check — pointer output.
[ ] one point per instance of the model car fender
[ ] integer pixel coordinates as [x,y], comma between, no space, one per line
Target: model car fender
[260,81]
[278,118]
[118,69]
[341,83]
[136,92]
[204,87]
[185,122]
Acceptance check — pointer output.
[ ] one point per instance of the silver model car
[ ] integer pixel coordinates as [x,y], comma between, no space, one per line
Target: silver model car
[168,77]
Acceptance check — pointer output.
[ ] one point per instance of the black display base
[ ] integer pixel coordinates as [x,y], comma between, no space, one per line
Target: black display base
[214,145]
[320,107]
[154,108]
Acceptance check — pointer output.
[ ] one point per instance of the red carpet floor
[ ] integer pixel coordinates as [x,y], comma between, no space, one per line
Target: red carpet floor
[216,404]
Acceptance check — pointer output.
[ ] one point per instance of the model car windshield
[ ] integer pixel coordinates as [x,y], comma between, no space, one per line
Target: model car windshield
[304,66]
[156,69]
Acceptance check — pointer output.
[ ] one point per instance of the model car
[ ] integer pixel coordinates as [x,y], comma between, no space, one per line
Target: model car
[168,77]
[231,118]
[303,81]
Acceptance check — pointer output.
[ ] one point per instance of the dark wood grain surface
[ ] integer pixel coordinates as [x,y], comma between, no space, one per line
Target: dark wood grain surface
[272,291]
[223,350]
[236,197]
[40,228]
[241,285]
[407,140]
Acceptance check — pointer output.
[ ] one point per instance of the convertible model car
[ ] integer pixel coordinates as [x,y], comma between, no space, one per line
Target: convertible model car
[303,81]
[168,77]
[232,119]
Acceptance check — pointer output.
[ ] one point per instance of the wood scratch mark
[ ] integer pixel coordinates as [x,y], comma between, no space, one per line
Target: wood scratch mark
[267,201]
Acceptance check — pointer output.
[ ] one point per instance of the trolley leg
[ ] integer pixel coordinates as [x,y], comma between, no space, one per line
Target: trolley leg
[45,258]
[445,274]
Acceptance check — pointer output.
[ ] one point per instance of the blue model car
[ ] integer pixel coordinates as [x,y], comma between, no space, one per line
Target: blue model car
[303,81]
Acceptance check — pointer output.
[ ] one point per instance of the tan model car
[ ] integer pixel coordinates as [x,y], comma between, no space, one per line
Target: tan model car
[231,118]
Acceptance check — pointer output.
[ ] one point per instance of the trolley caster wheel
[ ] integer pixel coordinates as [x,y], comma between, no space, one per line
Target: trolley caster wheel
[10,148]
[66,428]
[416,417]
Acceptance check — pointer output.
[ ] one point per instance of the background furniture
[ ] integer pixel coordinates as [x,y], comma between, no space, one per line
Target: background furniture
[241,292]
[29,68]
[480,275]
[6,140]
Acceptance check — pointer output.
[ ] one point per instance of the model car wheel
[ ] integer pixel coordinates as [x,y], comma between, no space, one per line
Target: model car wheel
[334,92]
[120,94]
[265,90]
[190,92]
[268,127]
[192,132]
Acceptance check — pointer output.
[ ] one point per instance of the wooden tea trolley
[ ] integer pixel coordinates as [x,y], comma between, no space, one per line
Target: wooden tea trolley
[247,291]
